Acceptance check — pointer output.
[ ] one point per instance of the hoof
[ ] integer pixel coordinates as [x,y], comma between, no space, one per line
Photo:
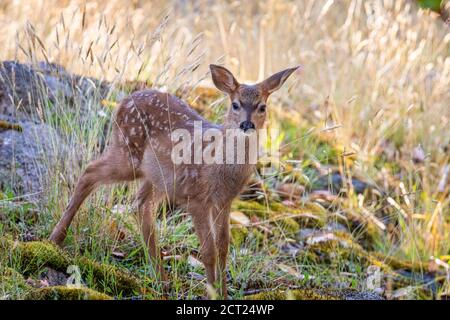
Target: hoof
[57,239]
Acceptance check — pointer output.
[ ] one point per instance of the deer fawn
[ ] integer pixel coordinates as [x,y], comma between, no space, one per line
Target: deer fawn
[140,148]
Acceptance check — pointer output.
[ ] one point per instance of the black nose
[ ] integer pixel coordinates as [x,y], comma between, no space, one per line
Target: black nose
[246,125]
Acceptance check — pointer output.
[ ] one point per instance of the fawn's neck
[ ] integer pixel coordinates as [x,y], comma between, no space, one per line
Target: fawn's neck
[232,178]
[235,175]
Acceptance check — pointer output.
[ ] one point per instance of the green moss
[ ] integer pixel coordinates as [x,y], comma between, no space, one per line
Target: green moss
[31,257]
[35,255]
[397,264]
[288,225]
[65,293]
[316,293]
[107,277]
[238,235]
[298,294]
[12,283]
[258,235]
[288,219]
[252,208]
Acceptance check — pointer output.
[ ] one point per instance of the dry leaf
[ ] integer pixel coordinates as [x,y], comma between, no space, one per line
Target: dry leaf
[240,218]
[290,270]
[290,191]
[118,254]
[194,262]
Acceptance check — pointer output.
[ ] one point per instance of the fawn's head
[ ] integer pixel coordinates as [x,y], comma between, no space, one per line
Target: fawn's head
[248,102]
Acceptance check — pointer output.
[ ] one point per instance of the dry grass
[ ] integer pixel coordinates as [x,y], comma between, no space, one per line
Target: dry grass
[384,66]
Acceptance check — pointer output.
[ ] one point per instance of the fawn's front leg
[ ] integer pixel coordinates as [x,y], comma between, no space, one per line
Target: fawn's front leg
[221,222]
[205,233]
[147,202]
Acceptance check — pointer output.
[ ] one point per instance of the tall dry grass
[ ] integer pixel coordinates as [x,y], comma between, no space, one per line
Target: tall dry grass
[389,59]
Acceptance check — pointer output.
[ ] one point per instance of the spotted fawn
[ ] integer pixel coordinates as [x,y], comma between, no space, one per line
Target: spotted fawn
[141,147]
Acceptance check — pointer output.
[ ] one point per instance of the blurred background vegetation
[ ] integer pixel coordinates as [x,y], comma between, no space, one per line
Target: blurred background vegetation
[431,4]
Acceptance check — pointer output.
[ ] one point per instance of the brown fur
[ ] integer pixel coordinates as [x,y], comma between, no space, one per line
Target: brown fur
[140,148]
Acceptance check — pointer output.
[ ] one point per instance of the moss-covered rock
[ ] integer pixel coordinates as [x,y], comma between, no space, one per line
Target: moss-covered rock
[108,278]
[12,283]
[65,293]
[314,294]
[397,264]
[34,255]
[31,257]
[288,219]
[251,208]
[341,246]
[238,235]
[299,294]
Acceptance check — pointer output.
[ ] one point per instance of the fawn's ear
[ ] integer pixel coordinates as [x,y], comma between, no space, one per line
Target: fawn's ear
[275,81]
[223,79]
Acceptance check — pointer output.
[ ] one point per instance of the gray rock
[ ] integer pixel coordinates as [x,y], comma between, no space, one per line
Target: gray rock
[335,184]
[25,88]
[26,157]
[360,295]
[304,233]
[334,226]
[33,96]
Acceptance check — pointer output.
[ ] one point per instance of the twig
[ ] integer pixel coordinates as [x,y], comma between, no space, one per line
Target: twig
[10,126]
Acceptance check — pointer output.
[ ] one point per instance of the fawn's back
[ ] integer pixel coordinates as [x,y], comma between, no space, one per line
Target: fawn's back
[142,135]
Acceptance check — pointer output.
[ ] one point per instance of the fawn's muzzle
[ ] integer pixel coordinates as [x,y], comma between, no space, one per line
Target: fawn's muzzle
[246,125]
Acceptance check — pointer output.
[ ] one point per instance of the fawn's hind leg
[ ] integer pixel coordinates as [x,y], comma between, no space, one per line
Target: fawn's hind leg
[107,169]
[147,201]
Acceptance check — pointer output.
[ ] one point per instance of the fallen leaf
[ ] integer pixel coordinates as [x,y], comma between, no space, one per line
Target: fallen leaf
[324,237]
[290,270]
[44,283]
[240,218]
[194,262]
[115,230]
[264,229]
[121,209]
[288,203]
[175,257]
[402,292]
[323,195]
[118,254]
[290,191]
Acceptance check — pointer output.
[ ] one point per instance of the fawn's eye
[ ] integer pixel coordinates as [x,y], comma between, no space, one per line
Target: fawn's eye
[235,106]
[262,108]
